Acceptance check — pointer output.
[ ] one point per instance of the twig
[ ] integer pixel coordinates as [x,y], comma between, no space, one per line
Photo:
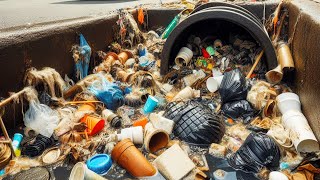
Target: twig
[258,58]
[12,97]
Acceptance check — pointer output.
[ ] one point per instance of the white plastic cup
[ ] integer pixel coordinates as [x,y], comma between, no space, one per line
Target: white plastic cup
[300,132]
[213,83]
[135,134]
[275,175]
[288,101]
[81,172]
[184,56]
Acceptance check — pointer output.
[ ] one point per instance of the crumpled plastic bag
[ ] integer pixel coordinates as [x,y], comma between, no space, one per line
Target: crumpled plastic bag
[258,151]
[195,123]
[41,118]
[233,86]
[81,56]
[109,93]
[239,109]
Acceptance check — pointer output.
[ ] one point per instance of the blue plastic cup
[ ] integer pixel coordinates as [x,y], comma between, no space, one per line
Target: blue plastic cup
[150,105]
[17,138]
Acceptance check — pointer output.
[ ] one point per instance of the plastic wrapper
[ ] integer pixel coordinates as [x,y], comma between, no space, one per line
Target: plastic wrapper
[195,123]
[258,151]
[239,109]
[233,86]
[109,93]
[81,55]
[41,118]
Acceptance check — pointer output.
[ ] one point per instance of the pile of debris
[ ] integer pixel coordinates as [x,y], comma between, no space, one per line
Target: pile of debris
[217,114]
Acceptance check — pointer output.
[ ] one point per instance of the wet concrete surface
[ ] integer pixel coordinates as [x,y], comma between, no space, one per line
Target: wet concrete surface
[19,14]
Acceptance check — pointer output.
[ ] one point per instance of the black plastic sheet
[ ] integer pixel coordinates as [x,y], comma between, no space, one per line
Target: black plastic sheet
[233,86]
[239,109]
[258,151]
[195,123]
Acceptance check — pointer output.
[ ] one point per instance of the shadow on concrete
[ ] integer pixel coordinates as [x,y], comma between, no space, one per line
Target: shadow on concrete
[92,2]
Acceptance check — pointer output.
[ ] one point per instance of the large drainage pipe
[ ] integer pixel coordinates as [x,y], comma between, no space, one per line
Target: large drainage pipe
[203,21]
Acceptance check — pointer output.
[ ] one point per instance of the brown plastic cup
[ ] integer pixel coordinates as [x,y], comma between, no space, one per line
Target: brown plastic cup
[130,158]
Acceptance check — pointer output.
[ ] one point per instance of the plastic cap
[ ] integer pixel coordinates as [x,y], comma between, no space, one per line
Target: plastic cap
[99,163]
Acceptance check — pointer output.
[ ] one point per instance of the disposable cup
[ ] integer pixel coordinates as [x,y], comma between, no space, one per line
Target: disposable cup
[184,56]
[94,124]
[300,132]
[213,83]
[150,105]
[81,172]
[288,102]
[17,138]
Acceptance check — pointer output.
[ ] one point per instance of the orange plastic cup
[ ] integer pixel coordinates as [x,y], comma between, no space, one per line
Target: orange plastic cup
[141,122]
[94,124]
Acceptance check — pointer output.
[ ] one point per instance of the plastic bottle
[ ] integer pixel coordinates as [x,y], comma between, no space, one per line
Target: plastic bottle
[114,120]
[171,26]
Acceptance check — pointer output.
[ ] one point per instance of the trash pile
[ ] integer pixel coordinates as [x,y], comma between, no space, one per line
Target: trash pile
[125,120]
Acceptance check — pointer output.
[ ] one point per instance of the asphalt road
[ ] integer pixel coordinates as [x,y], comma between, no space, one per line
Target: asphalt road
[21,13]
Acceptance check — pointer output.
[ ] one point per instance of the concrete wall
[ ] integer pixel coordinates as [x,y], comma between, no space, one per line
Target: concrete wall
[49,45]
[306,52]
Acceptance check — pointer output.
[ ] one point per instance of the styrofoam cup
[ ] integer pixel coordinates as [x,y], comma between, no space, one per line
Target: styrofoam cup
[81,172]
[288,101]
[184,56]
[276,175]
[300,132]
[213,83]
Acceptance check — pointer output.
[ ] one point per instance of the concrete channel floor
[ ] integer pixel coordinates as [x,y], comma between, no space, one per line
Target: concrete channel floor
[17,14]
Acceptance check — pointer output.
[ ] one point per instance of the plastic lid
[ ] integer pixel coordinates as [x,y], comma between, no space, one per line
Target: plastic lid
[99,163]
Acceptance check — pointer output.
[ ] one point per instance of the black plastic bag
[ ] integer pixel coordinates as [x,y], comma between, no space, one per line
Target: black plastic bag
[258,151]
[195,123]
[37,147]
[239,109]
[233,86]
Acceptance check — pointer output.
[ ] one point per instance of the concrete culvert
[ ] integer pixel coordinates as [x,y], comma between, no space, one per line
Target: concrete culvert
[221,21]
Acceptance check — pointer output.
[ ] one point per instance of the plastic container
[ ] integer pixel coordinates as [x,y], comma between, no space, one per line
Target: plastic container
[135,134]
[275,175]
[150,105]
[300,132]
[99,163]
[213,83]
[131,159]
[114,120]
[17,138]
[94,124]
[288,101]
[155,139]
[81,172]
[184,56]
